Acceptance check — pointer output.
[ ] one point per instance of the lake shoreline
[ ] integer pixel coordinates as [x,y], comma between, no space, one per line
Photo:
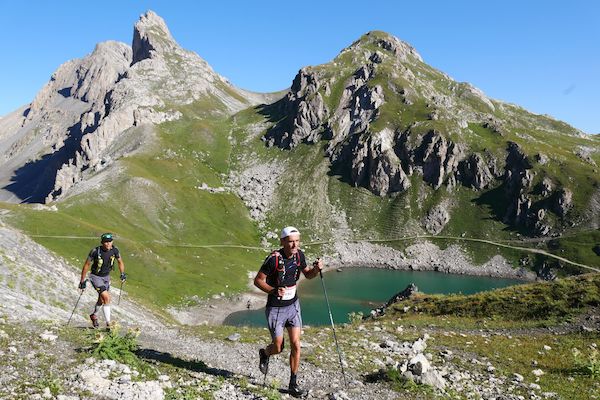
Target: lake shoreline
[423,256]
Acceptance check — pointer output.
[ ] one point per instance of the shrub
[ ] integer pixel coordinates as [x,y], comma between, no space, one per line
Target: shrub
[110,345]
[355,317]
[588,363]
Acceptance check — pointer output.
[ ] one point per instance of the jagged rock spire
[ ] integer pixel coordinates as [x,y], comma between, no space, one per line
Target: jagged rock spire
[90,102]
[151,36]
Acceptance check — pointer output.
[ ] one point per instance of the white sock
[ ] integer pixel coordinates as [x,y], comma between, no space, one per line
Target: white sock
[96,308]
[106,311]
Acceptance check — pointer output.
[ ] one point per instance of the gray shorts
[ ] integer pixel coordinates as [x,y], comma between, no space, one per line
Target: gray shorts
[100,283]
[283,317]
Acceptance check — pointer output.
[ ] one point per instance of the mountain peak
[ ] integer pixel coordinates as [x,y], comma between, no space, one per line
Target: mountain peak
[386,42]
[151,36]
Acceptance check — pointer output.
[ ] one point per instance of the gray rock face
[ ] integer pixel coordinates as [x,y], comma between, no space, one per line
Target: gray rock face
[67,132]
[358,107]
[541,158]
[494,125]
[48,132]
[379,161]
[436,219]
[390,82]
[546,187]
[564,201]
[528,206]
[374,164]
[518,179]
[401,50]
[151,37]
[475,172]
[585,153]
[592,212]
[439,158]
[87,80]
[306,113]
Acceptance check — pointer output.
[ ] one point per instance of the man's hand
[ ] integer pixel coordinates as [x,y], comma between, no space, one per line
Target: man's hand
[82,284]
[318,264]
[123,277]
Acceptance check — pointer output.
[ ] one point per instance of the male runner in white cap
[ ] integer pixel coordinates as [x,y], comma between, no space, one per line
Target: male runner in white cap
[277,277]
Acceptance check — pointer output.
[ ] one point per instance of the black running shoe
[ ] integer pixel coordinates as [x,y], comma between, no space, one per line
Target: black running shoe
[94,319]
[263,363]
[295,390]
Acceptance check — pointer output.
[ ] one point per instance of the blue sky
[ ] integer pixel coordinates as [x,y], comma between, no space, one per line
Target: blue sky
[542,55]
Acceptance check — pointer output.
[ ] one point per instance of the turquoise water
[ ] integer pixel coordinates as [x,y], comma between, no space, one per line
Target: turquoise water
[362,289]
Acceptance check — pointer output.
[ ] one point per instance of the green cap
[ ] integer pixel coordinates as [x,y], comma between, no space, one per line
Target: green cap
[106,237]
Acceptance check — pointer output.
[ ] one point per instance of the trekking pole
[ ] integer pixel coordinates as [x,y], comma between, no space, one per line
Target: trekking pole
[333,327]
[74,308]
[120,291]
[265,378]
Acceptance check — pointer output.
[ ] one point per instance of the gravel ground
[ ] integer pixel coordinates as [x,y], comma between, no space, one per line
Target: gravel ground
[40,358]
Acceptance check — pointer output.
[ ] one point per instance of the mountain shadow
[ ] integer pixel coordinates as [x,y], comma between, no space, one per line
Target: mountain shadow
[34,181]
[497,202]
[495,199]
[275,112]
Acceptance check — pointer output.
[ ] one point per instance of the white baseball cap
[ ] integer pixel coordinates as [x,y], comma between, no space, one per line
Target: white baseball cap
[287,231]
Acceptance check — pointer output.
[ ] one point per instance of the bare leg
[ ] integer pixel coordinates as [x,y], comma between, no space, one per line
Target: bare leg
[294,333]
[275,347]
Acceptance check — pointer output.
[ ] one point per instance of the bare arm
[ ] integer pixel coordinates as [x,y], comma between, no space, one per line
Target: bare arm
[314,271]
[84,271]
[121,264]
[260,281]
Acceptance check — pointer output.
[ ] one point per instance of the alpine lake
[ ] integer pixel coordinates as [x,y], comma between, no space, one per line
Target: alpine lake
[353,290]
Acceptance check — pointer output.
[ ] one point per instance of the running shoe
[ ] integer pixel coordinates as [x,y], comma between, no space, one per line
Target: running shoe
[94,319]
[263,364]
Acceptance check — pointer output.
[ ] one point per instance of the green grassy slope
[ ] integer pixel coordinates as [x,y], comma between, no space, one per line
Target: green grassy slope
[154,209]
[162,219]
[474,214]
[549,301]
[309,197]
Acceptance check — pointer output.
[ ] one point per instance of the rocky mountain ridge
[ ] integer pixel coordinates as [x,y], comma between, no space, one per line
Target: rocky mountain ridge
[375,146]
[88,103]
[396,118]
[384,115]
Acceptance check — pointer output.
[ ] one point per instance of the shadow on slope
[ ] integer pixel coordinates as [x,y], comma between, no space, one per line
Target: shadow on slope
[167,358]
[34,181]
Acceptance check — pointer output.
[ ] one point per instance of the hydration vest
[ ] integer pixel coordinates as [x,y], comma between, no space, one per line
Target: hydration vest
[98,262]
[280,267]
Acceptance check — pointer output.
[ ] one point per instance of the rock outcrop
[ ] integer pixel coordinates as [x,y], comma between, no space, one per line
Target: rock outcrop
[389,116]
[563,202]
[518,180]
[529,204]
[345,111]
[89,103]
[475,172]
[439,159]
[305,113]
[436,219]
